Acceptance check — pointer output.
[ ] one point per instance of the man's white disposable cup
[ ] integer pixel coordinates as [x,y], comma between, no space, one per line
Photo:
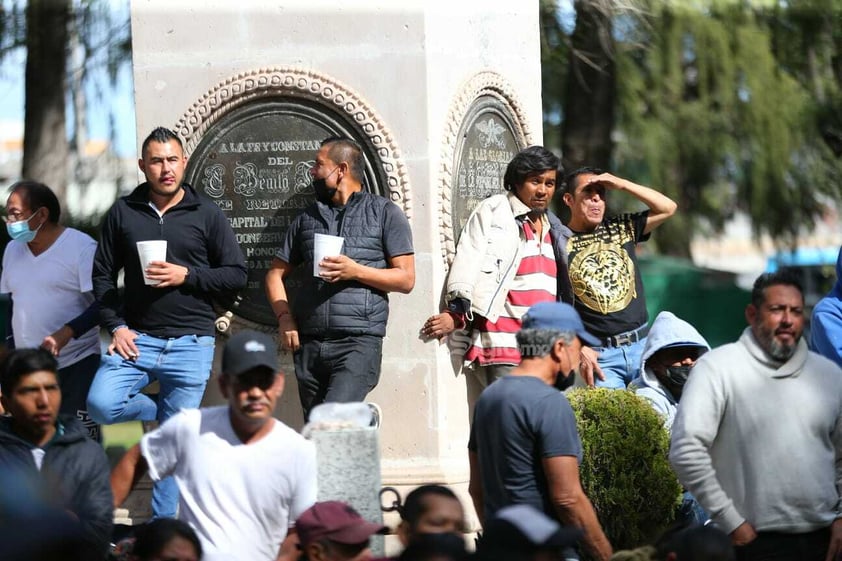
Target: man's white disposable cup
[325,246]
[148,251]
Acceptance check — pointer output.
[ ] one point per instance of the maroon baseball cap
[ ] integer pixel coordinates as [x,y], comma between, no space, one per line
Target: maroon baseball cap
[336,521]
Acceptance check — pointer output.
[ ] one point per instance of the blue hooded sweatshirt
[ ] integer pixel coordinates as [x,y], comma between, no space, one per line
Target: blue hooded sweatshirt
[668,330]
[826,323]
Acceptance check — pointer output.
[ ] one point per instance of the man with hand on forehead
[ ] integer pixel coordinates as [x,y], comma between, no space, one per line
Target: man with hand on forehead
[607,285]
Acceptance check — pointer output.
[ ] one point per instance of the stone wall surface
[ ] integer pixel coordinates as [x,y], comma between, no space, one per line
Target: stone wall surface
[413,69]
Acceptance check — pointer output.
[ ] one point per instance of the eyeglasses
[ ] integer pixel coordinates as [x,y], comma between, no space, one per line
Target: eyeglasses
[17,216]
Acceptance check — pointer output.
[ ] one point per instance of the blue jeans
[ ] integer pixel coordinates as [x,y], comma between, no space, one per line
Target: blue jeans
[691,512]
[620,364]
[181,366]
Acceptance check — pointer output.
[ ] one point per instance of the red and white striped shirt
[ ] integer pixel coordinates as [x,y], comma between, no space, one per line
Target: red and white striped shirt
[534,281]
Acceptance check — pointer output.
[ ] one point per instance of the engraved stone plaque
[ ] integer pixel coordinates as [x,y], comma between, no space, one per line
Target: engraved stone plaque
[486,146]
[254,163]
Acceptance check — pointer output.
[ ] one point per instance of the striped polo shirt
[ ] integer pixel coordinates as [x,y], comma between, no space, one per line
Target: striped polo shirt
[534,281]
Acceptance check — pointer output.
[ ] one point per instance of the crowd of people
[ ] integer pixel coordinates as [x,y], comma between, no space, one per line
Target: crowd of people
[756,425]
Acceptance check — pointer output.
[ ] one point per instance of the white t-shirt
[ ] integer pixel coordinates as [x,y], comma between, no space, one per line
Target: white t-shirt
[240,498]
[49,290]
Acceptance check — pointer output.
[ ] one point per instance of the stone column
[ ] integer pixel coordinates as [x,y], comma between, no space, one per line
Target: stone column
[441,94]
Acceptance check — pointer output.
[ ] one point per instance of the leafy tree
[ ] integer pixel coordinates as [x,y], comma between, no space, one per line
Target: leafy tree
[591,87]
[729,107]
[807,41]
[554,45]
[45,148]
[723,125]
[63,40]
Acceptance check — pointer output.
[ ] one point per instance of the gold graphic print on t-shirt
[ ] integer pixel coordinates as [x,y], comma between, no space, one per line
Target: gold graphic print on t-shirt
[602,274]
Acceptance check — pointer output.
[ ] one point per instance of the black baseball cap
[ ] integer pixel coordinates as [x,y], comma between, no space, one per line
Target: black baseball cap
[249,349]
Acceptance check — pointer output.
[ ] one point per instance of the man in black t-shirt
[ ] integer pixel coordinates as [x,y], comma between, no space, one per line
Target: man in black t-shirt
[524,447]
[607,286]
[335,324]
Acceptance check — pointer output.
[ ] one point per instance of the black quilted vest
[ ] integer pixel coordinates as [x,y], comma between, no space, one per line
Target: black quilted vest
[348,307]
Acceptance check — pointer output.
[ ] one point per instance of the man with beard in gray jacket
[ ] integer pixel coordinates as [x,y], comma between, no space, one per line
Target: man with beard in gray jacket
[758,436]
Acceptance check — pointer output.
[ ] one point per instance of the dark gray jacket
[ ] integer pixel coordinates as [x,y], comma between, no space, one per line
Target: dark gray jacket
[74,476]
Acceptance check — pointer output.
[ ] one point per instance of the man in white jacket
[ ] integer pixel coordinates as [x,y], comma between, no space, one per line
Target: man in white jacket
[511,255]
[758,436]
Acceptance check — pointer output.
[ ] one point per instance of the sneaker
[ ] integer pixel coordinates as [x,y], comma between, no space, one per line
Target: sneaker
[376,414]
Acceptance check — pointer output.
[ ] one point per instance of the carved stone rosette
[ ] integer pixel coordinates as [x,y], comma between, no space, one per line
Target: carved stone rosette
[483,84]
[305,84]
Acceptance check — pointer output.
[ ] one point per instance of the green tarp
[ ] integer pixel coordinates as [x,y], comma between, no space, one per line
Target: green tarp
[710,300]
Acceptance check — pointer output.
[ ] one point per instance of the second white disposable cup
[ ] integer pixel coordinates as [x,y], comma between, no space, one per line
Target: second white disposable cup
[151,250]
[325,246]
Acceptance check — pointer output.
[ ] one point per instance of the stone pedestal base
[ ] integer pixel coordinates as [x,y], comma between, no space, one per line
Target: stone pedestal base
[137,508]
[348,463]
[404,77]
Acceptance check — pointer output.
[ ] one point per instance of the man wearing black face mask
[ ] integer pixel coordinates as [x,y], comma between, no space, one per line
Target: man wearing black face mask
[671,350]
[336,323]
[522,419]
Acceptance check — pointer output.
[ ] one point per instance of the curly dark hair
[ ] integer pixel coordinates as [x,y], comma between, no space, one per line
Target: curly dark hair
[535,159]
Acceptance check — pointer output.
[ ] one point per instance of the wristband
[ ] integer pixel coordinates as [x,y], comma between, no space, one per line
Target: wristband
[281,314]
[458,319]
[121,326]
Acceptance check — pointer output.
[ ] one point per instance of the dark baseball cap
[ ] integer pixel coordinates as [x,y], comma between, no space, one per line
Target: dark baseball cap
[524,528]
[249,349]
[560,316]
[336,521]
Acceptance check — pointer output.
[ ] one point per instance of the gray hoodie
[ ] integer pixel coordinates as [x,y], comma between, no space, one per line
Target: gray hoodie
[668,330]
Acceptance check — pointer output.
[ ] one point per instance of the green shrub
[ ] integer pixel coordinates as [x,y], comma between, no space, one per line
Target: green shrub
[625,471]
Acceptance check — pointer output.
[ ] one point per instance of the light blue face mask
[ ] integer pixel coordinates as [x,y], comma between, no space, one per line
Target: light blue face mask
[20,230]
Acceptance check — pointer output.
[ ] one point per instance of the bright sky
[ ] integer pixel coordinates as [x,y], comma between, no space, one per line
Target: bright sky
[102,99]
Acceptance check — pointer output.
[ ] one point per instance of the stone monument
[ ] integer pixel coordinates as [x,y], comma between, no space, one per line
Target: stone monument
[440,95]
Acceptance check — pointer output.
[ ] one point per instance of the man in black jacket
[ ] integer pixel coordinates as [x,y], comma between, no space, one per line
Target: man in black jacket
[49,457]
[162,327]
[336,324]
